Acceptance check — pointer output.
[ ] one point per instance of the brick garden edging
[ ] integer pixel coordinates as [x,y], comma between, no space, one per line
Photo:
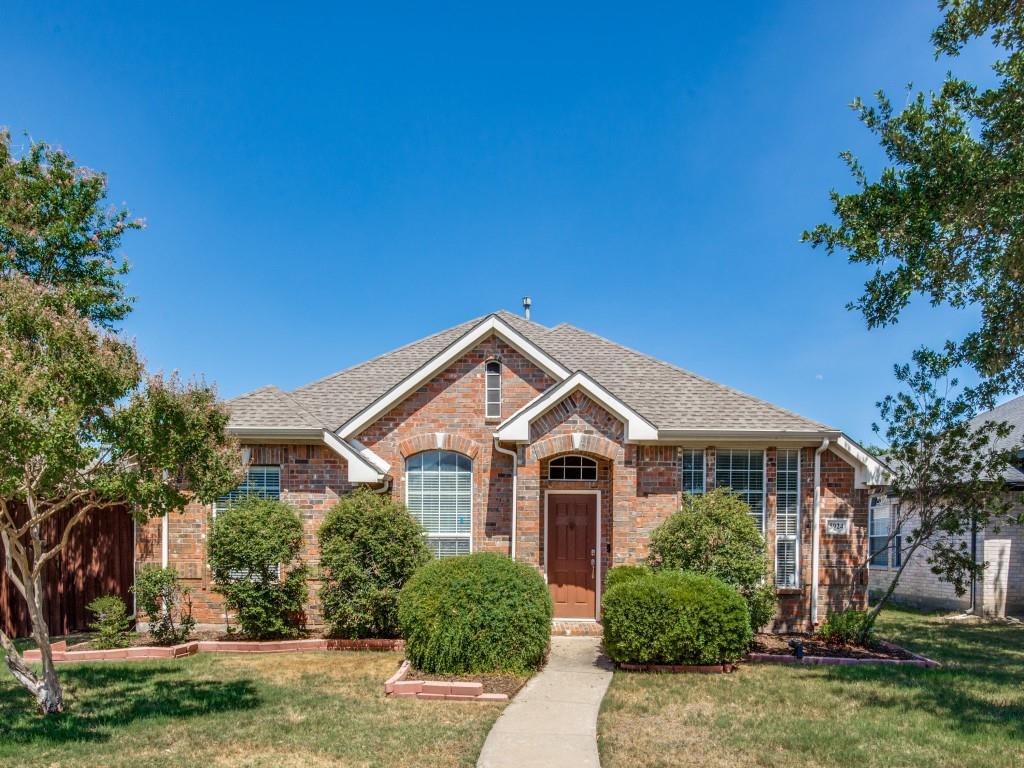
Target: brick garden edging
[916,660]
[61,653]
[397,687]
[707,669]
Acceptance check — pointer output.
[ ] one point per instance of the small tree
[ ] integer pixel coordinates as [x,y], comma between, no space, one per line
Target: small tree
[82,431]
[254,551]
[111,622]
[946,470]
[715,534]
[166,605]
[369,547]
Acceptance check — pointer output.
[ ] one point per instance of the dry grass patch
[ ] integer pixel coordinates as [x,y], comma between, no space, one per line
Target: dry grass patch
[970,712]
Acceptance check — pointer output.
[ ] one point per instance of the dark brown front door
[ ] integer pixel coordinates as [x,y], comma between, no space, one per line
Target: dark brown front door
[572,554]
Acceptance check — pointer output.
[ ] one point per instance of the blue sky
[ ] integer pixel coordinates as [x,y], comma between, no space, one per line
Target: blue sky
[323,184]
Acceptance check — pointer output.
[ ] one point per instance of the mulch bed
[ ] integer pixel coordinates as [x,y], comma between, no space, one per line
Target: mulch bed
[493,683]
[778,645]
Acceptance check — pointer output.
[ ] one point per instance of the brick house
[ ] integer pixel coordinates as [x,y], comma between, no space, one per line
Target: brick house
[1000,589]
[554,446]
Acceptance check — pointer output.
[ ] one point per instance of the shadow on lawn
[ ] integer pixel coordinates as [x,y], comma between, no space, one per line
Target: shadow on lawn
[101,698]
[978,687]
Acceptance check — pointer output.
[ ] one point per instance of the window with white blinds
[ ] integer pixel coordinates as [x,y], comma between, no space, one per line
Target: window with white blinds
[885,548]
[493,385]
[262,481]
[439,493]
[742,470]
[693,471]
[787,518]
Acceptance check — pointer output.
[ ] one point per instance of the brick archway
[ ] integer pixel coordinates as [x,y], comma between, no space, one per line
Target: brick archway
[575,442]
[438,441]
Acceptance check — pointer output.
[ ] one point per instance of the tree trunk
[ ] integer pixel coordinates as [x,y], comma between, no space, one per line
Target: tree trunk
[46,689]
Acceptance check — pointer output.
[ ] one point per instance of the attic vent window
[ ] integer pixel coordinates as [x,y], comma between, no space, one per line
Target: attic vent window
[493,390]
[572,468]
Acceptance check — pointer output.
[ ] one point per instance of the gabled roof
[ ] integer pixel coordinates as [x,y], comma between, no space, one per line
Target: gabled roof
[676,402]
[1011,412]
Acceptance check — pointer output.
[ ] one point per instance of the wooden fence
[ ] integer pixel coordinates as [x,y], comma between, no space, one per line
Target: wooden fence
[99,559]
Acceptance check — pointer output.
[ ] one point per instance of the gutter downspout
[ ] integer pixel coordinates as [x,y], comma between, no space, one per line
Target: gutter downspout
[515,475]
[385,485]
[816,534]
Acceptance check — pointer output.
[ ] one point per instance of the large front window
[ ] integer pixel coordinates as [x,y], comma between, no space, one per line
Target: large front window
[787,519]
[742,470]
[439,493]
[263,481]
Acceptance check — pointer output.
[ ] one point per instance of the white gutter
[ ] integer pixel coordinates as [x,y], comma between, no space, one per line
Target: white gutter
[385,486]
[816,535]
[163,543]
[515,476]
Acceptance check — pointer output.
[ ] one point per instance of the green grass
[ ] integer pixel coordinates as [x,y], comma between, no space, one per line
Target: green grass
[968,713]
[310,709]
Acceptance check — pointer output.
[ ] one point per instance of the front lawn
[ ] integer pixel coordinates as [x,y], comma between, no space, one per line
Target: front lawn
[970,712]
[280,710]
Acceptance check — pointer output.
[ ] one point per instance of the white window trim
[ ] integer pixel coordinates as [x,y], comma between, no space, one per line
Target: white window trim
[472,494]
[799,518]
[488,389]
[703,470]
[764,480]
[597,470]
[597,545]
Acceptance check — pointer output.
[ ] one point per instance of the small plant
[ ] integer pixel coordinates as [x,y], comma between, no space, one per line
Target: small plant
[369,547]
[674,617]
[166,605]
[254,555]
[847,628]
[476,613]
[112,622]
[715,534]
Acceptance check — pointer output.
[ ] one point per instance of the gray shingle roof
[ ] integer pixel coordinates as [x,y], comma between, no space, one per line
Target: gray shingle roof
[669,397]
[1012,412]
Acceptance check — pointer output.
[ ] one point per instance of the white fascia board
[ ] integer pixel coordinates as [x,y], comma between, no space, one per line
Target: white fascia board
[276,434]
[745,436]
[868,470]
[371,458]
[492,324]
[359,471]
[517,427]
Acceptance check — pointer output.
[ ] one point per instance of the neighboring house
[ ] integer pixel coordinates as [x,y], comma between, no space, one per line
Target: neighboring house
[555,446]
[1000,590]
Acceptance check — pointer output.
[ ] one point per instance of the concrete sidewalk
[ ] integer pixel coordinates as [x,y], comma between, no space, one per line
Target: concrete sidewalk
[553,720]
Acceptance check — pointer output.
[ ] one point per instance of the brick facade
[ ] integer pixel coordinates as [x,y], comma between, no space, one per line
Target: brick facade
[639,484]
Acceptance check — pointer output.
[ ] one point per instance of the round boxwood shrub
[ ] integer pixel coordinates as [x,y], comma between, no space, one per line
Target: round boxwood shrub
[253,551]
[715,534]
[623,573]
[369,547]
[476,613]
[675,617]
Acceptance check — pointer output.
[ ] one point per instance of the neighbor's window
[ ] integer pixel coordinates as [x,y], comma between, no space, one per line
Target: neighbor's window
[693,471]
[493,389]
[262,481]
[439,493]
[742,470]
[572,468]
[881,516]
[787,519]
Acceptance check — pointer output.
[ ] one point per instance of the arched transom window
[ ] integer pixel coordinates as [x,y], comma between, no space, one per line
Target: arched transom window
[439,493]
[572,468]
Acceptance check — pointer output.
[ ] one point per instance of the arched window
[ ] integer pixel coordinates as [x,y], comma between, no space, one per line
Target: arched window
[572,468]
[439,493]
[493,390]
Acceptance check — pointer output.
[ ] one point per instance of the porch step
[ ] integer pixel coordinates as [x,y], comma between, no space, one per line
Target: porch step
[569,628]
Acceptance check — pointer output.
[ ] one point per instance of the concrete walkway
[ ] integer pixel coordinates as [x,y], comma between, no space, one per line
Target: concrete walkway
[553,720]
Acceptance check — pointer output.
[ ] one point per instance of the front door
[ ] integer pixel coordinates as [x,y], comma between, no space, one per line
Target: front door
[572,554]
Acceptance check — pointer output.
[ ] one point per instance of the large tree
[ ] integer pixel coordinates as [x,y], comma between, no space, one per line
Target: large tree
[944,221]
[57,229]
[83,430]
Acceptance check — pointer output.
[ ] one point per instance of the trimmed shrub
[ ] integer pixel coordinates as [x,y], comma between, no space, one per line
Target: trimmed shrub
[254,554]
[623,573]
[675,617]
[111,624]
[715,534]
[369,547]
[846,628]
[475,613]
[166,605]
